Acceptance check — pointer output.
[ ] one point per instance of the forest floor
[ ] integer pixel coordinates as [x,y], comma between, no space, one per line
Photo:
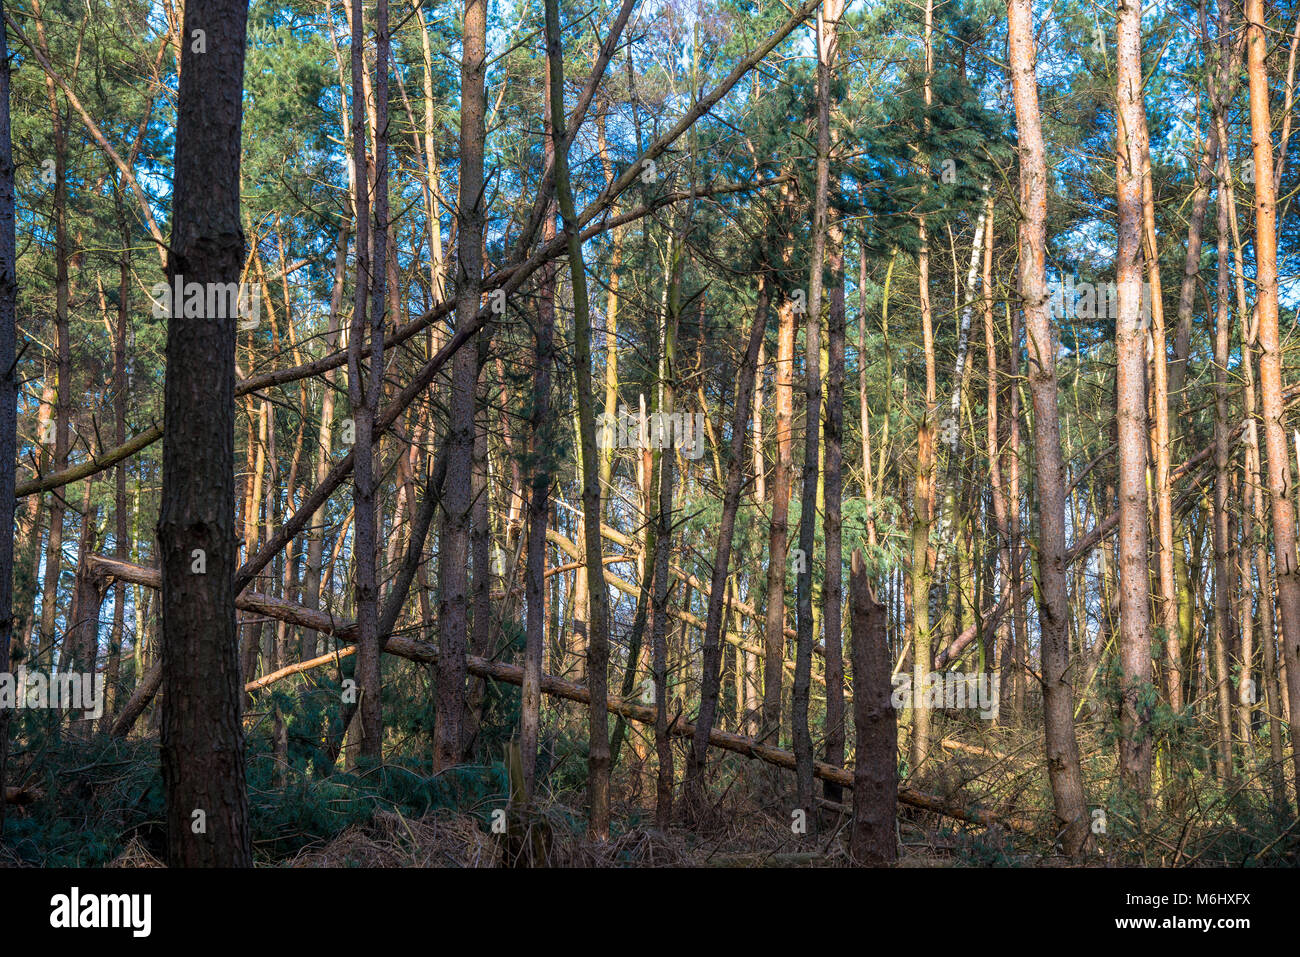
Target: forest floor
[734,832]
[100,803]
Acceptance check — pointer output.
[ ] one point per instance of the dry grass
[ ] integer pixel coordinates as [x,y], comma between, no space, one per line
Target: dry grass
[135,854]
[445,840]
[391,840]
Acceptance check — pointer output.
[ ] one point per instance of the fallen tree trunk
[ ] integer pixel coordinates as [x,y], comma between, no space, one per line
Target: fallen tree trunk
[513,674]
[425,653]
[150,681]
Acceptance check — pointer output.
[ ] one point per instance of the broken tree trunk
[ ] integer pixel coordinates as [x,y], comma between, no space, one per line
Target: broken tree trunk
[875,770]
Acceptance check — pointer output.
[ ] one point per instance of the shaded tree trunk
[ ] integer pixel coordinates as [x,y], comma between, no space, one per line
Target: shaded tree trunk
[453,553]
[779,529]
[833,482]
[1222,588]
[365,386]
[539,503]
[324,444]
[711,683]
[597,618]
[8,398]
[827,47]
[875,770]
[202,738]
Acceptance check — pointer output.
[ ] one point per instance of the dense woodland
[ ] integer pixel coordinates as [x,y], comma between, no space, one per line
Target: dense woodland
[643,433]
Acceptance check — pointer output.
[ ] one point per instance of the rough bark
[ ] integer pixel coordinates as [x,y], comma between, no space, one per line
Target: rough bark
[827,47]
[202,738]
[875,769]
[8,400]
[365,386]
[833,484]
[539,506]
[453,551]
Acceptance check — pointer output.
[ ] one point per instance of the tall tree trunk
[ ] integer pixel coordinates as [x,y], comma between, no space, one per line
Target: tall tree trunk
[659,603]
[923,494]
[598,622]
[832,589]
[779,528]
[864,412]
[1222,588]
[1154,311]
[994,439]
[1053,608]
[8,398]
[741,414]
[63,354]
[365,394]
[611,304]
[324,444]
[437,265]
[449,728]
[1270,361]
[539,504]
[1013,661]
[1131,410]
[121,534]
[827,47]
[1276,700]
[202,738]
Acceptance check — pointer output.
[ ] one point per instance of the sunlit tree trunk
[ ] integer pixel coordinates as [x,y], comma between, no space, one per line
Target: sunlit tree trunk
[63,356]
[1280,485]
[779,529]
[1130,347]
[1053,609]
[923,493]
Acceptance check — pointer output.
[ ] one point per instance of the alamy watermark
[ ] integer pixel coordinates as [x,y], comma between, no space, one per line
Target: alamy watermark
[951,690]
[209,300]
[75,910]
[1070,299]
[656,430]
[58,690]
